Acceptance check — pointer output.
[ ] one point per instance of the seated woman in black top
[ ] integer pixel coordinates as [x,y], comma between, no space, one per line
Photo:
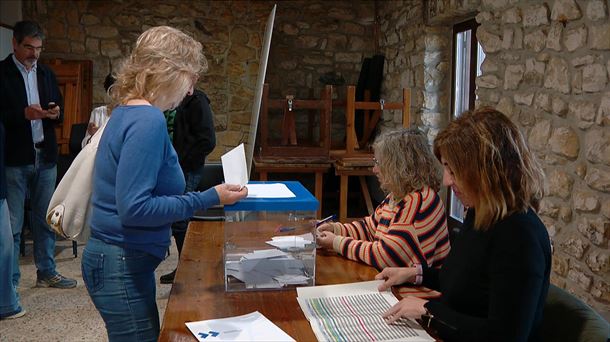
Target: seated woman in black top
[495,280]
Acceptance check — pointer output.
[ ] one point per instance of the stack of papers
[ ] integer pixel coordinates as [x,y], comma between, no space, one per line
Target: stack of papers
[251,327]
[353,312]
[268,268]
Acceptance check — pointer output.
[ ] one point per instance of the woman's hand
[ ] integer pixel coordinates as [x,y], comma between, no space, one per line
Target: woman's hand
[396,276]
[230,193]
[408,307]
[326,227]
[325,239]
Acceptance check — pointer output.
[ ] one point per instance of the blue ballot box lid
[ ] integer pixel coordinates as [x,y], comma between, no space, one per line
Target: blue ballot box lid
[304,200]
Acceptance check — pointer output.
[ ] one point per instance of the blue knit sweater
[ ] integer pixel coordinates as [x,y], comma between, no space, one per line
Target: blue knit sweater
[138,184]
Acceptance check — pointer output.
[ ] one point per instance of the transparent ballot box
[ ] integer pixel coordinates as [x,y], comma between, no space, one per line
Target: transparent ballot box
[270,242]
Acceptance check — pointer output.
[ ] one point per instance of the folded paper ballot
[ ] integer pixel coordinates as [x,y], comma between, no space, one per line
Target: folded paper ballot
[250,327]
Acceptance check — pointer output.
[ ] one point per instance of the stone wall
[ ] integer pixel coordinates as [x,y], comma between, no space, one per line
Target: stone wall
[310,38]
[547,67]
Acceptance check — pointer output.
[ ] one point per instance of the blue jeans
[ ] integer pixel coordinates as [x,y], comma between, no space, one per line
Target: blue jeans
[9,302]
[39,182]
[192,178]
[121,284]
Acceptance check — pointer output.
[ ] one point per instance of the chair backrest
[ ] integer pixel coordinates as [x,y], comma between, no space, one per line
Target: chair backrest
[566,318]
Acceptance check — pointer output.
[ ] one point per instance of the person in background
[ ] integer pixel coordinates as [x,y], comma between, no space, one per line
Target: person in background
[495,280]
[191,131]
[138,186]
[99,115]
[409,227]
[30,108]
[9,300]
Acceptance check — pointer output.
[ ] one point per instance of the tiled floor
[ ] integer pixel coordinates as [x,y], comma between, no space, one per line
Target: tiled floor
[65,315]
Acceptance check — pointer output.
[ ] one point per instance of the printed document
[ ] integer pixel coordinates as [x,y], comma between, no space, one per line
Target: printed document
[353,312]
[251,327]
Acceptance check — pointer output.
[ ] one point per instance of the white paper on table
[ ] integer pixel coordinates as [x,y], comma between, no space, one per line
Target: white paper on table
[250,327]
[268,190]
[234,166]
[338,290]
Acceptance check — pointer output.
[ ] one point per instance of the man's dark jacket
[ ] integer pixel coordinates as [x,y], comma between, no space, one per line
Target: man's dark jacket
[194,134]
[19,147]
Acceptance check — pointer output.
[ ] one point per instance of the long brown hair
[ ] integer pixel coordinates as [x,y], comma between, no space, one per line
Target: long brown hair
[406,162]
[492,163]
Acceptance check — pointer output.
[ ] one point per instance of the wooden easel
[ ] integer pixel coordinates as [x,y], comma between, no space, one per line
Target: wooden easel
[288,155]
[357,160]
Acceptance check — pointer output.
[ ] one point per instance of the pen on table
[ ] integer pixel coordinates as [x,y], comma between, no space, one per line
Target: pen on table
[327,219]
[282,229]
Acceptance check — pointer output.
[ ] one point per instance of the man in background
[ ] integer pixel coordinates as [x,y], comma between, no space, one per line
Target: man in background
[191,130]
[30,108]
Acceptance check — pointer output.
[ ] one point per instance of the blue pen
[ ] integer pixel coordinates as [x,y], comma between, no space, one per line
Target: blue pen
[327,219]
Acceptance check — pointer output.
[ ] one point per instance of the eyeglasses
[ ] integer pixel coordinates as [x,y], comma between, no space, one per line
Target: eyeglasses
[375,161]
[33,48]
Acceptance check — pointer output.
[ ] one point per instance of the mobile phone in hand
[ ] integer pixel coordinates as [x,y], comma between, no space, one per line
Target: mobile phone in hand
[51,105]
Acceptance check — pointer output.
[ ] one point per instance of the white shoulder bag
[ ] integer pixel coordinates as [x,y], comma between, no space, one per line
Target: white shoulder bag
[70,207]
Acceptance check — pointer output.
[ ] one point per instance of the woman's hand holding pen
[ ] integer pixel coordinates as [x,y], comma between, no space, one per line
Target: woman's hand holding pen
[326,227]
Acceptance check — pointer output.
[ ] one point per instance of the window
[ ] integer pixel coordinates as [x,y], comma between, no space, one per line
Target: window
[467,59]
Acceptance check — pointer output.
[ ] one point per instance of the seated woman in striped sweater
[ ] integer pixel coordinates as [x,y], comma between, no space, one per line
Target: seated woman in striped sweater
[409,227]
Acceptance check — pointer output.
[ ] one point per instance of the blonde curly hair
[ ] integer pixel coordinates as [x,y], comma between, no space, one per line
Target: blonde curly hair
[163,66]
[406,162]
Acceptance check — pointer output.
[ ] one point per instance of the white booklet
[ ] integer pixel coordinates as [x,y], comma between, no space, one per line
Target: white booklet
[250,327]
[353,312]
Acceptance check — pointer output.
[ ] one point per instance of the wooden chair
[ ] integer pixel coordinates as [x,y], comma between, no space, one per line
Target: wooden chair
[357,159]
[287,153]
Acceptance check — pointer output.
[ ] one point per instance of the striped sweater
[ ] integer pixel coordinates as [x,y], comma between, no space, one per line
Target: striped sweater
[411,231]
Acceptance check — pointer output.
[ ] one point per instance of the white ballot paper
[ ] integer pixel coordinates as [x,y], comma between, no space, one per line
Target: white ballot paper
[250,327]
[234,166]
[353,312]
[269,190]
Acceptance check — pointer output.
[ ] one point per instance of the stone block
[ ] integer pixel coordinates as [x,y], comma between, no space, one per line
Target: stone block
[598,261]
[565,214]
[524,98]
[543,102]
[553,38]
[564,10]
[606,208]
[583,280]
[557,76]
[585,201]
[100,31]
[564,142]
[559,106]
[513,76]
[574,246]
[548,208]
[597,146]
[596,10]
[599,36]
[603,112]
[488,81]
[598,179]
[560,264]
[489,41]
[596,230]
[594,78]
[535,15]
[575,38]
[511,15]
[584,111]
[560,183]
[601,291]
[535,41]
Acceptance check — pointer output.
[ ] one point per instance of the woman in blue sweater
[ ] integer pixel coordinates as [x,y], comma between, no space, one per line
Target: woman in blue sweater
[495,280]
[138,184]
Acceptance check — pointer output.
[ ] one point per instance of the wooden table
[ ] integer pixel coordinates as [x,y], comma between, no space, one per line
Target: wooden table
[199,293]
